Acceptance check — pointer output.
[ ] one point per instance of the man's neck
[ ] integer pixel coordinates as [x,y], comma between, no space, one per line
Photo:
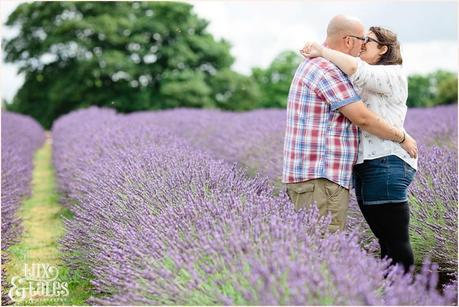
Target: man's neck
[336,47]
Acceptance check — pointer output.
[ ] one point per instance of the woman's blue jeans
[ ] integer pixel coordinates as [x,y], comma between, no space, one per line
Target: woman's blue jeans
[382,180]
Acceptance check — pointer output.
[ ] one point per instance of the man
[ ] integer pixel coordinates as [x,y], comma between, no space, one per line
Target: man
[323,116]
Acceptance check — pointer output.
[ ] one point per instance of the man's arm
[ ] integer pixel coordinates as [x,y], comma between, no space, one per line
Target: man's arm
[361,116]
[339,93]
[365,119]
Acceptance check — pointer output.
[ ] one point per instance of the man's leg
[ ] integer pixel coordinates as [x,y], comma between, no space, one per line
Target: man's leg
[301,193]
[329,197]
[335,201]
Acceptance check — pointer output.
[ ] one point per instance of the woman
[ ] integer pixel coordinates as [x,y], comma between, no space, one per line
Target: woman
[384,170]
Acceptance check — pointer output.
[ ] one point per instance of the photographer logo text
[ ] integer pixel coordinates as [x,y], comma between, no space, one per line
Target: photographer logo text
[39,282]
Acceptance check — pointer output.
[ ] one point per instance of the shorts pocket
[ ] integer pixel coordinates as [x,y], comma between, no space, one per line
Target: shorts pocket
[409,172]
[332,189]
[301,194]
[303,187]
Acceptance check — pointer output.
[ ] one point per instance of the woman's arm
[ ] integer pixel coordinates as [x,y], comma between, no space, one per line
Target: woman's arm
[347,63]
[383,79]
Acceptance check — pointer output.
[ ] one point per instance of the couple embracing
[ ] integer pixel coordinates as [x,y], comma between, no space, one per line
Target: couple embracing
[345,115]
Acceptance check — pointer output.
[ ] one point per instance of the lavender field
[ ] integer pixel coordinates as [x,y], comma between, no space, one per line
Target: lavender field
[186,207]
[21,136]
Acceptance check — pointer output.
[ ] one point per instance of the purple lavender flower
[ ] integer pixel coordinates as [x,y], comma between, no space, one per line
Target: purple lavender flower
[21,136]
[158,220]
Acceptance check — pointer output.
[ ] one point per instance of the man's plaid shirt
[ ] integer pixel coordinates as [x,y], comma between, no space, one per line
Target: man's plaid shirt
[319,141]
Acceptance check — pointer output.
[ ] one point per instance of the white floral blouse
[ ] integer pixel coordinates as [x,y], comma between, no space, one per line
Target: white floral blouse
[384,90]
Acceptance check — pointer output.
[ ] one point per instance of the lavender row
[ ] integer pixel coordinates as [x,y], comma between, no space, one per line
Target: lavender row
[255,140]
[157,221]
[21,136]
[433,201]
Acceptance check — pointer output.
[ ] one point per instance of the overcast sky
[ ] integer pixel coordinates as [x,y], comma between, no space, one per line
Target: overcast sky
[259,30]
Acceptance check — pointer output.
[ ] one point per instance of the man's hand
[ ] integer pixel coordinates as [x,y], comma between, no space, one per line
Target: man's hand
[410,146]
[311,50]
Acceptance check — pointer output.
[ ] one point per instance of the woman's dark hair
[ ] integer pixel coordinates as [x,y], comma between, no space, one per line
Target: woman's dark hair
[389,39]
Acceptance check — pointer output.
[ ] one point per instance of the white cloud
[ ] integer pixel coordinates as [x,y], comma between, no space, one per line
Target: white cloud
[260,30]
[425,57]
[10,81]
[256,31]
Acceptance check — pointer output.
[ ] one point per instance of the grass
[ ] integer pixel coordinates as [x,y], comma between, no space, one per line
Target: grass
[41,216]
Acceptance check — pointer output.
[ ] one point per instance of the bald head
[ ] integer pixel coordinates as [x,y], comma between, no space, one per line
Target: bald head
[343,25]
[341,33]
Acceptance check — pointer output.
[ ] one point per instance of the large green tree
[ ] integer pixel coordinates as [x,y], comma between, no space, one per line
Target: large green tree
[438,87]
[445,87]
[126,55]
[274,81]
[235,92]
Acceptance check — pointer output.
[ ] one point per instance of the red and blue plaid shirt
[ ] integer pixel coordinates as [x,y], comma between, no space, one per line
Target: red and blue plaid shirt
[320,142]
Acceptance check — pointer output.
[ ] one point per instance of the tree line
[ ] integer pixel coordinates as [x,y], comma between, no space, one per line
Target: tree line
[135,56]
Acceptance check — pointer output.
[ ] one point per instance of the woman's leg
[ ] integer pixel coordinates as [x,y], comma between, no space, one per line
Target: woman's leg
[389,222]
[394,224]
[371,215]
[384,184]
[363,174]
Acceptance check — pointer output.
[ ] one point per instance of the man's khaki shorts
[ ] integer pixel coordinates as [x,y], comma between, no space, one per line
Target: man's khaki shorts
[329,197]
